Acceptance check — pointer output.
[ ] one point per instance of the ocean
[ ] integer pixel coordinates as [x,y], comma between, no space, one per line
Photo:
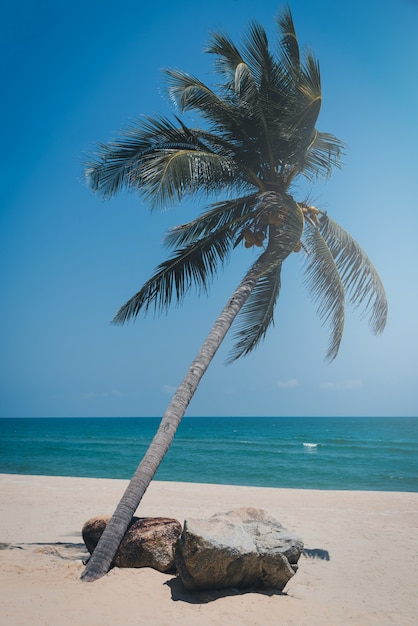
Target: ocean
[361,453]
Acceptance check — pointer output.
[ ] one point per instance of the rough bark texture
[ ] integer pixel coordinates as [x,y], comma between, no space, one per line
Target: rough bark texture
[240,549]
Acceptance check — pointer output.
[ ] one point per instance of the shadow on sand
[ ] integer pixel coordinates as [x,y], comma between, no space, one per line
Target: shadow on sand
[316,553]
[179,593]
[70,551]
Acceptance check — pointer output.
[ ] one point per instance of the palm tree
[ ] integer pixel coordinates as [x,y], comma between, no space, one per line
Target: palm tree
[258,136]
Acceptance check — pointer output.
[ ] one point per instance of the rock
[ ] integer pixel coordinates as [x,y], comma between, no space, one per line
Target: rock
[240,549]
[148,542]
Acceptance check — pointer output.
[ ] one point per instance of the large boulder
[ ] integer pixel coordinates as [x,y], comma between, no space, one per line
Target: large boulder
[148,542]
[240,549]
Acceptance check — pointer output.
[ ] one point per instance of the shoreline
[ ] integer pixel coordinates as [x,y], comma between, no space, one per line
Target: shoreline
[367,576]
[204,483]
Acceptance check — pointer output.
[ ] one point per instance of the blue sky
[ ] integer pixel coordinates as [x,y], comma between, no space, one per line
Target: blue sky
[74,73]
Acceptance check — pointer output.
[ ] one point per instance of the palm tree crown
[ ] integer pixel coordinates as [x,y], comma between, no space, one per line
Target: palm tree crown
[259,134]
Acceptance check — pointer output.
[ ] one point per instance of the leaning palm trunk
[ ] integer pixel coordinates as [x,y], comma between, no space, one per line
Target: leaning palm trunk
[105,551]
[281,243]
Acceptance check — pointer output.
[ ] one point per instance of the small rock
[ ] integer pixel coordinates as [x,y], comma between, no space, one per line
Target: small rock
[148,542]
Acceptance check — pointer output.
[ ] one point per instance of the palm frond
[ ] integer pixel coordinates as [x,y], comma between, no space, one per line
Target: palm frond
[232,118]
[257,55]
[322,156]
[230,122]
[306,104]
[256,316]
[358,274]
[299,104]
[260,92]
[190,93]
[289,46]
[227,53]
[195,264]
[244,84]
[164,162]
[230,214]
[117,165]
[324,282]
[310,78]
[168,175]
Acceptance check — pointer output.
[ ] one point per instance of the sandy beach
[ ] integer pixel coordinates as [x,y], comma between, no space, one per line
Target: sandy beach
[360,566]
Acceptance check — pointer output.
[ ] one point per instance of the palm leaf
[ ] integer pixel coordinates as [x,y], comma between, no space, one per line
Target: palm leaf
[117,165]
[233,118]
[189,93]
[195,265]
[324,282]
[306,106]
[257,55]
[256,316]
[360,278]
[163,161]
[322,156]
[310,79]
[289,46]
[244,85]
[230,214]
[168,175]
[227,53]
[228,121]
[263,89]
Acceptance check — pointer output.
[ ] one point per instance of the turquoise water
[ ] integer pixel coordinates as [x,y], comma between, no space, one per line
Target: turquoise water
[378,453]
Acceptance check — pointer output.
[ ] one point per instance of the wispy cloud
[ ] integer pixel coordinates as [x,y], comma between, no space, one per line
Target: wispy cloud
[169,389]
[349,384]
[288,384]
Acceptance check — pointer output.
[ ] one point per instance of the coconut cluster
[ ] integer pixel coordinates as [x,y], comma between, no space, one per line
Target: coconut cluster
[253,238]
[256,236]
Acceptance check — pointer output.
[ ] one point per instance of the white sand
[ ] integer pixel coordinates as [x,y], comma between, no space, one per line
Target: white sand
[371,576]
